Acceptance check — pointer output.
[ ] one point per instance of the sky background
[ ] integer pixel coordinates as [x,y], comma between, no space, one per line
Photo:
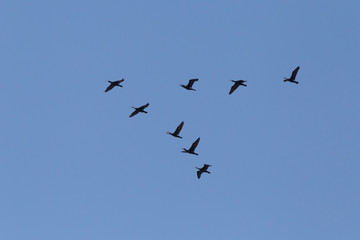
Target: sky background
[285,157]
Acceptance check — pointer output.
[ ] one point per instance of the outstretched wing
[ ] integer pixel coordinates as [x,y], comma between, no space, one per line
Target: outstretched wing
[293,75]
[191,82]
[234,87]
[194,145]
[205,167]
[110,87]
[134,113]
[144,106]
[199,174]
[119,81]
[178,129]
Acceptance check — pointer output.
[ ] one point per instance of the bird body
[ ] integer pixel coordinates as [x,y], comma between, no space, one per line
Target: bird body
[114,84]
[139,109]
[190,84]
[202,170]
[236,85]
[191,150]
[293,76]
[177,131]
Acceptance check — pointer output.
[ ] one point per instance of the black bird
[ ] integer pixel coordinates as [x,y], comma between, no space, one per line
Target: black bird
[236,85]
[189,85]
[177,131]
[113,84]
[293,76]
[202,170]
[139,109]
[192,148]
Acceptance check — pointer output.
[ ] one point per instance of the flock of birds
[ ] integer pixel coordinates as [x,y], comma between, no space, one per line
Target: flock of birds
[189,86]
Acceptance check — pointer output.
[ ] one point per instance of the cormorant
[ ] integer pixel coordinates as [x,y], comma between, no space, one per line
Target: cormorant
[139,109]
[189,85]
[113,84]
[236,85]
[177,131]
[202,170]
[293,76]
[192,148]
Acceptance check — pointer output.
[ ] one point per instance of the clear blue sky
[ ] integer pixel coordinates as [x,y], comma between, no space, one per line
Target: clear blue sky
[285,157]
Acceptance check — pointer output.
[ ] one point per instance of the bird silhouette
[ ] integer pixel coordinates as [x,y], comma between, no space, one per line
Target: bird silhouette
[139,109]
[192,148]
[293,76]
[113,84]
[202,170]
[189,85]
[236,85]
[177,131]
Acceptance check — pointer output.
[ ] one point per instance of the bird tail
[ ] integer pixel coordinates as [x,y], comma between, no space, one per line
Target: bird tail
[285,79]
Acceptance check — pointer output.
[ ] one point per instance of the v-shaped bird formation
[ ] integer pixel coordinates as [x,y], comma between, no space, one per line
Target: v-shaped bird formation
[189,86]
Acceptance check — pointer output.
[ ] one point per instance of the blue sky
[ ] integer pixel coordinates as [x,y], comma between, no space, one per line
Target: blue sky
[285,157]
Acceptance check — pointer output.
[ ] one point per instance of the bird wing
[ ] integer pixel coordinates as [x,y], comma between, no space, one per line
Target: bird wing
[119,81]
[134,113]
[234,87]
[293,75]
[144,106]
[178,129]
[110,87]
[194,145]
[205,167]
[198,173]
[191,82]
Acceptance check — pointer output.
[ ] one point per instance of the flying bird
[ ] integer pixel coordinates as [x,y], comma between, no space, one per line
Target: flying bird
[189,85]
[236,85]
[192,148]
[113,84]
[139,109]
[177,131]
[293,76]
[202,170]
